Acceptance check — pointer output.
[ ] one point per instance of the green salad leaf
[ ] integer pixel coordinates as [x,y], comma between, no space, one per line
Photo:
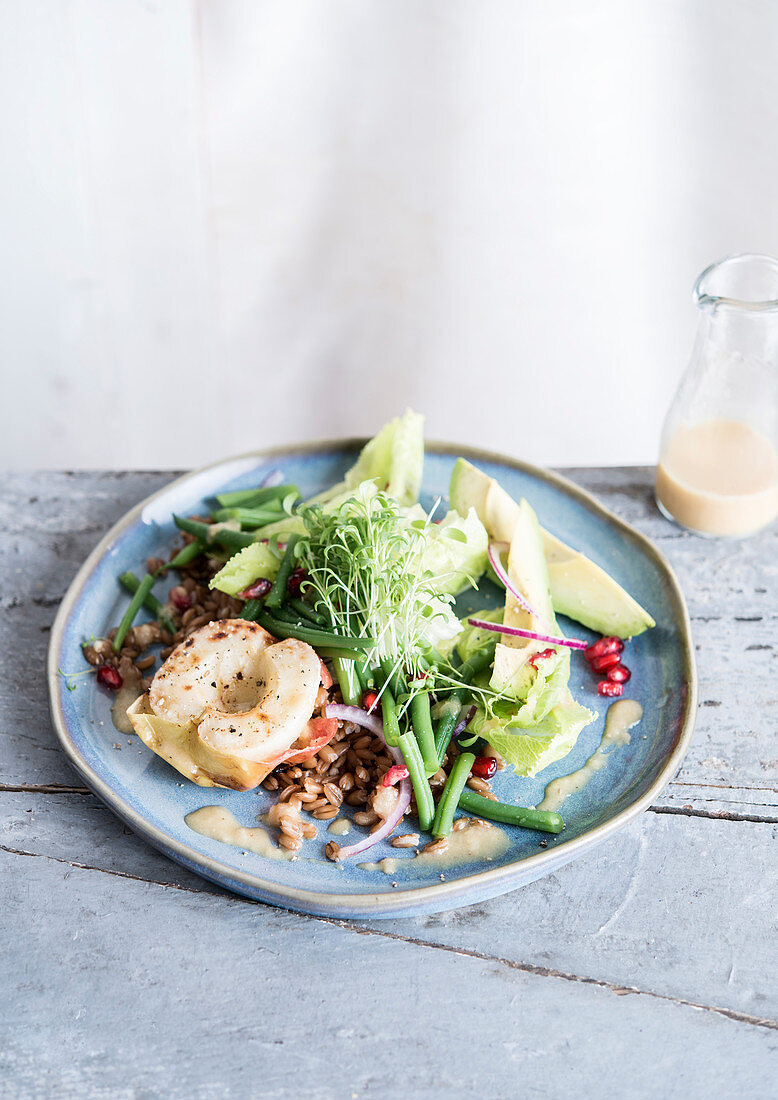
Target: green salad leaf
[247,566]
[393,460]
[456,552]
[546,740]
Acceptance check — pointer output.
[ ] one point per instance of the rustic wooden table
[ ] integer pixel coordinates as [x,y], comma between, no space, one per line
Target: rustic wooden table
[649,967]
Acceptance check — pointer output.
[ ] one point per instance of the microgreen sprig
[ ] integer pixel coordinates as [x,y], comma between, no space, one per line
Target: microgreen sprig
[70,677]
[364,562]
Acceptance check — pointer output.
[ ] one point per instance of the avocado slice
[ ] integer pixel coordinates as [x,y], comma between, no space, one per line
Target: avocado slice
[580,589]
[583,591]
[528,572]
[527,569]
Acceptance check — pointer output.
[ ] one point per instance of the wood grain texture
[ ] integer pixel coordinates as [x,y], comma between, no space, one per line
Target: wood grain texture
[139,979]
[614,914]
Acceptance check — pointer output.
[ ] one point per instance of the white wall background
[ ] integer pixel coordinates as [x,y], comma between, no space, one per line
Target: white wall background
[231,223]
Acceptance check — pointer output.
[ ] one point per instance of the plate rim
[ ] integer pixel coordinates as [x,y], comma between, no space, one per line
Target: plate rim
[375,904]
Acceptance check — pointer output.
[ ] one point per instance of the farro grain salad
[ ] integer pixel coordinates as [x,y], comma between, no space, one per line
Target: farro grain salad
[313,648]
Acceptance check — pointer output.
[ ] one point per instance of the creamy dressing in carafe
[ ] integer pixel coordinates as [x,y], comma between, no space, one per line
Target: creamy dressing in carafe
[719,477]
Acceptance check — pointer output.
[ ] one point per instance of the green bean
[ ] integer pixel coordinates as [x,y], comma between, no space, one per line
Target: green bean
[422,728]
[186,556]
[253,498]
[350,688]
[392,734]
[209,533]
[285,614]
[308,612]
[278,591]
[544,820]
[425,804]
[132,584]
[251,609]
[405,741]
[393,674]
[347,654]
[449,800]
[450,712]
[470,668]
[311,635]
[447,720]
[248,517]
[128,618]
[360,660]
[365,673]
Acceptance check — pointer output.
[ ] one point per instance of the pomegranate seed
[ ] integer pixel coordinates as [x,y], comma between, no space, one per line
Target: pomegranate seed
[395,774]
[599,664]
[603,646]
[618,674]
[295,581]
[484,767]
[180,598]
[109,677]
[605,687]
[256,591]
[541,656]
[369,699]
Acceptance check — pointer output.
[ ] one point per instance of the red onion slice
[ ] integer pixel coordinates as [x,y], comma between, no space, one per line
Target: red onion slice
[463,723]
[373,723]
[497,566]
[361,718]
[275,477]
[388,827]
[515,632]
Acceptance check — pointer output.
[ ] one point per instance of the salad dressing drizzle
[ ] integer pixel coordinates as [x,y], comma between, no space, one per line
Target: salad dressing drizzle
[470,845]
[219,824]
[621,716]
[123,700]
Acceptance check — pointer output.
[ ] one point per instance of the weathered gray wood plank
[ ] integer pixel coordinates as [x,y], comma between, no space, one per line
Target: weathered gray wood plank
[671,905]
[49,522]
[153,992]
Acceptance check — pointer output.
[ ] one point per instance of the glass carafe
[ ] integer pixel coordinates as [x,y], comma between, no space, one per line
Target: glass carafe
[718,460]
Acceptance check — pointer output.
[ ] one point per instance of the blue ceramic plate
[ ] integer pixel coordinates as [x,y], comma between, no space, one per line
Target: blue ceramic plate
[153,799]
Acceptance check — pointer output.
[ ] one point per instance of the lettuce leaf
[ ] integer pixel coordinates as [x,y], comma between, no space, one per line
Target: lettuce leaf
[473,638]
[456,553]
[248,565]
[393,460]
[543,742]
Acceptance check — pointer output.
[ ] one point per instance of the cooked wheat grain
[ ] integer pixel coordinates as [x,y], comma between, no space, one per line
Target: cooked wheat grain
[407,840]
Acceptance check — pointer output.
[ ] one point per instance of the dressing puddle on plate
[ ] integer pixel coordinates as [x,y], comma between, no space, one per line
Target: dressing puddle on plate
[621,717]
[219,824]
[476,842]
